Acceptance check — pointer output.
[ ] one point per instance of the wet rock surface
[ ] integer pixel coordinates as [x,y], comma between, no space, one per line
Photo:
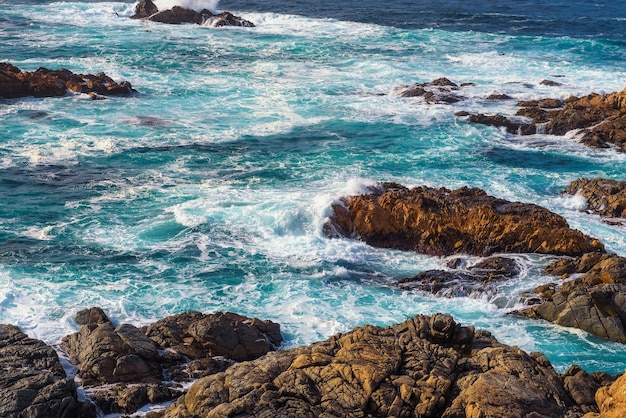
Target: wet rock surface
[44,82]
[32,380]
[441,91]
[605,197]
[425,366]
[477,279]
[146,9]
[595,301]
[123,368]
[445,222]
[599,120]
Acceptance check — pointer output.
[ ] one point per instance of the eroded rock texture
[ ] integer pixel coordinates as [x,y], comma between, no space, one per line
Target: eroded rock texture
[43,82]
[446,222]
[32,381]
[594,302]
[425,366]
[605,197]
[611,400]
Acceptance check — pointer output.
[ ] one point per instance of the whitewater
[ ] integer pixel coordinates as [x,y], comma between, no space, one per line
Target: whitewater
[208,189]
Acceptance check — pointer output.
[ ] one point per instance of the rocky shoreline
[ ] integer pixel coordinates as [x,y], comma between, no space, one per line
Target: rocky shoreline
[427,366]
[177,15]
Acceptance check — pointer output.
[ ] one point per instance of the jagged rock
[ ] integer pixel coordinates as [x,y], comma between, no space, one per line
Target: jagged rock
[105,354]
[582,386]
[440,90]
[222,334]
[611,400]
[517,128]
[177,15]
[477,279]
[499,96]
[604,197]
[32,380]
[425,366]
[126,399]
[93,315]
[600,119]
[47,83]
[446,222]
[178,349]
[145,8]
[594,302]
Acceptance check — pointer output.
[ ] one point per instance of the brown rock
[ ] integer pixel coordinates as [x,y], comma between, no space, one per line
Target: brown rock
[178,15]
[594,302]
[47,83]
[477,279]
[32,380]
[425,366]
[440,91]
[611,400]
[463,221]
[517,128]
[604,197]
[93,315]
[144,9]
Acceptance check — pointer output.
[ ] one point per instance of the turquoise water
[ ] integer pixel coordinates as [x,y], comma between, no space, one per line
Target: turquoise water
[209,188]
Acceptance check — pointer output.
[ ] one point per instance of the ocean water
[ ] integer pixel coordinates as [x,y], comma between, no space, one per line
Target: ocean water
[208,189]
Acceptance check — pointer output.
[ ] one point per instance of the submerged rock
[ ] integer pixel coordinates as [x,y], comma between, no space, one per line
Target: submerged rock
[604,197]
[594,302]
[424,366]
[446,222]
[48,83]
[32,380]
[441,91]
[477,279]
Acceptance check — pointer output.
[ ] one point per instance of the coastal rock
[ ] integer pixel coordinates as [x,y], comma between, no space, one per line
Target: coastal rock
[178,15]
[604,197]
[32,380]
[582,386]
[424,366]
[611,400]
[48,83]
[229,335]
[144,9]
[445,222]
[598,119]
[441,90]
[477,279]
[134,362]
[594,302]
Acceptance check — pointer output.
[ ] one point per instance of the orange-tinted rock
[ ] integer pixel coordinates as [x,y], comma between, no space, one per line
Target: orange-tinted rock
[611,400]
[446,222]
[604,196]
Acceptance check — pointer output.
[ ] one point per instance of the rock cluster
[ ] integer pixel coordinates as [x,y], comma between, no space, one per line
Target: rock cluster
[424,366]
[441,90]
[595,301]
[611,400]
[32,380]
[604,197]
[599,119]
[476,279]
[43,82]
[134,362]
[445,222]
[146,9]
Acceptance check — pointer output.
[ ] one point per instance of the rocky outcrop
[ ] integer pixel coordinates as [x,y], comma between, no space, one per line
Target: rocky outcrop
[594,302]
[598,119]
[146,9]
[604,197]
[134,362]
[611,400]
[473,280]
[48,83]
[441,91]
[425,366]
[32,380]
[446,222]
